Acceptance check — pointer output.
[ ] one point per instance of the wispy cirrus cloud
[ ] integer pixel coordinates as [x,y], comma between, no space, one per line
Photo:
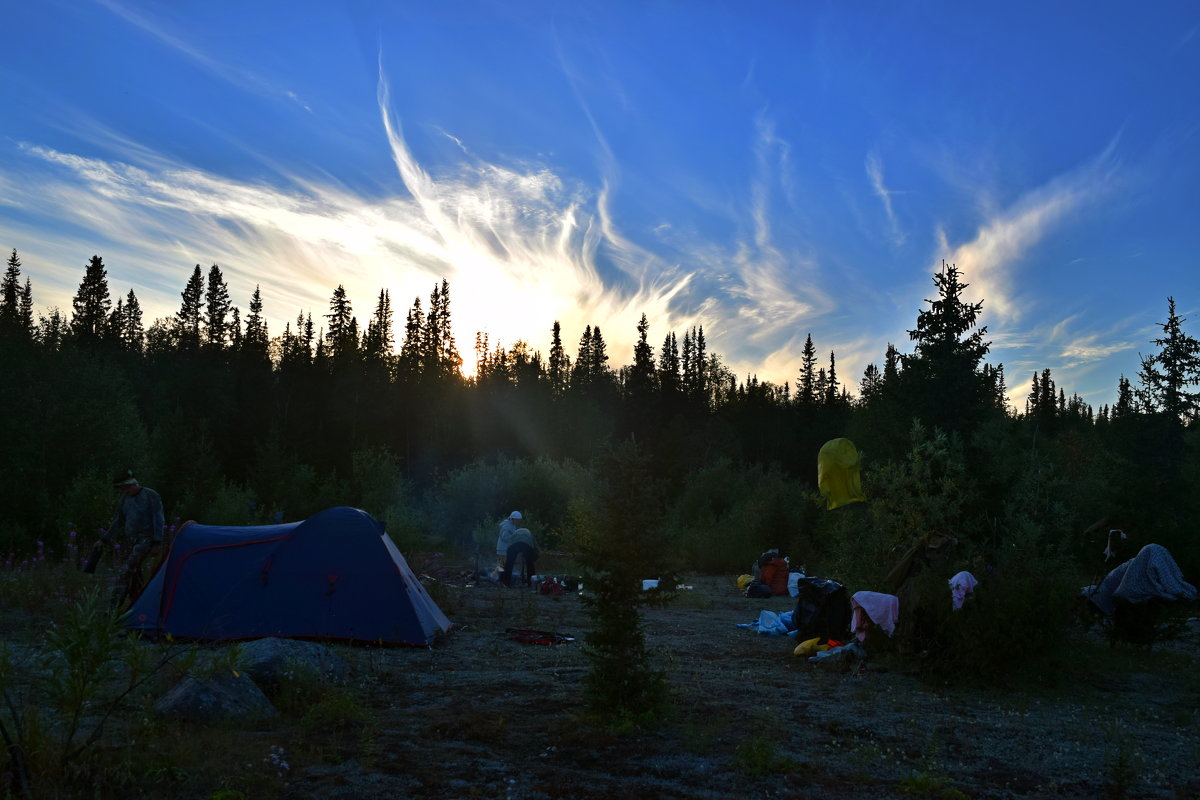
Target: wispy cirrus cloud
[242,78]
[992,260]
[521,246]
[1071,348]
[761,295]
[874,167]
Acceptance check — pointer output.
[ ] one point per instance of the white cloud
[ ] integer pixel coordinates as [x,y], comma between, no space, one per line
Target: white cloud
[220,67]
[874,167]
[990,262]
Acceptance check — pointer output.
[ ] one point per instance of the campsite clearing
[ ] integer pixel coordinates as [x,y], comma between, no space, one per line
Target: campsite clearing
[480,715]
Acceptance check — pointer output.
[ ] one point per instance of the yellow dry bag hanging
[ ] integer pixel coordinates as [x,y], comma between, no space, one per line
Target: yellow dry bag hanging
[837,473]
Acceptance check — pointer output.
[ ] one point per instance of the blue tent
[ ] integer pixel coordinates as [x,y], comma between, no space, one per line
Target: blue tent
[336,575]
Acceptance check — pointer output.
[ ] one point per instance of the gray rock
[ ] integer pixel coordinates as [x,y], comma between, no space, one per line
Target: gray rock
[268,660]
[225,696]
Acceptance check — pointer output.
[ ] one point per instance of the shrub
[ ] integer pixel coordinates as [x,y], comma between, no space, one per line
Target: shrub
[475,498]
[618,541]
[377,484]
[229,505]
[907,503]
[725,516]
[1015,624]
[336,710]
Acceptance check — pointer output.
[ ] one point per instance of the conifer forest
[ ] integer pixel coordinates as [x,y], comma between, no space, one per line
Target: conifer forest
[236,424]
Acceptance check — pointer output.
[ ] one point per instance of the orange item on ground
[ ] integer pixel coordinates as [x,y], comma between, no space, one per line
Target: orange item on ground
[775,574]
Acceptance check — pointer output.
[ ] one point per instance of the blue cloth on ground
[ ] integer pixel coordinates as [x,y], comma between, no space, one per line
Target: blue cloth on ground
[770,623]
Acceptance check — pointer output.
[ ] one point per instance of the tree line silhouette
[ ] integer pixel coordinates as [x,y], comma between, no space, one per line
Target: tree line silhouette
[209,399]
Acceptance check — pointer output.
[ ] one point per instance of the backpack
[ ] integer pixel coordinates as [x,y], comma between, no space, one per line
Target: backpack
[552,587]
[822,609]
[774,573]
[758,590]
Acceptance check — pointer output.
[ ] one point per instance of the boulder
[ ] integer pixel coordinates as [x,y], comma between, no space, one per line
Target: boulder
[269,661]
[227,695]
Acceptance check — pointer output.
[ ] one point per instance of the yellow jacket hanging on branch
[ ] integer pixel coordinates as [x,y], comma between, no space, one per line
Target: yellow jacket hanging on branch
[838,476]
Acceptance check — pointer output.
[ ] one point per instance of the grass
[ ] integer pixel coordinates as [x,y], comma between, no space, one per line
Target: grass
[79,696]
[139,754]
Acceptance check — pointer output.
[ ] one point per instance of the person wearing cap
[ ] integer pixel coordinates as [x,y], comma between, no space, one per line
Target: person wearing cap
[139,520]
[506,531]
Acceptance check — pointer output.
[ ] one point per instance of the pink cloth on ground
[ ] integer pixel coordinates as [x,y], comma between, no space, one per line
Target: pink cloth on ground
[961,585]
[882,609]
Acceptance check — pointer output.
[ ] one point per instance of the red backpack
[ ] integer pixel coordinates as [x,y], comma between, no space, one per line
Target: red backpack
[775,574]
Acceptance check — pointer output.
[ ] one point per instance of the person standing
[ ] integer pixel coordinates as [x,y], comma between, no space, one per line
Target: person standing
[140,522]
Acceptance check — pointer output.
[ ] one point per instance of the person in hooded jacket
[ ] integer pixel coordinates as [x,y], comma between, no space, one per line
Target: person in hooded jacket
[507,527]
[521,546]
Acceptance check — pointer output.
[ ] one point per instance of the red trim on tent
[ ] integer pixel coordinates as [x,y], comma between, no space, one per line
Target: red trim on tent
[170,586]
[162,559]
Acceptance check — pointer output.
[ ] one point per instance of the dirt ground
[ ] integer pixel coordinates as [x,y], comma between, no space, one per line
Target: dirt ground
[480,715]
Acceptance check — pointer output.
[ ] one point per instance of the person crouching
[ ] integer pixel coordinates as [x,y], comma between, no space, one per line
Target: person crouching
[521,545]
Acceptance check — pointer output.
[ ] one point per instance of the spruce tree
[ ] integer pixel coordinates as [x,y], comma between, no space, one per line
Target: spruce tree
[695,367]
[806,382]
[891,364]
[379,340]
[617,541]
[216,310]
[1124,407]
[409,363]
[133,336]
[870,384]
[668,367]
[114,326]
[1166,375]
[234,329]
[560,362]
[832,394]
[581,373]
[699,389]
[341,337]
[641,375]
[53,331]
[1033,400]
[91,305]
[599,367]
[25,313]
[687,364]
[942,379]
[255,342]
[11,316]
[994,378]
[439,357]
[190,316]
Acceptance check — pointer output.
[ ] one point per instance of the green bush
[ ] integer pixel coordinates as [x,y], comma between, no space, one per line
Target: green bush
[618,540]
[907,502]
[377,483]
[725,515]
[89,503]
[474,499]
[1014,626]
[1015,623]
[229,505]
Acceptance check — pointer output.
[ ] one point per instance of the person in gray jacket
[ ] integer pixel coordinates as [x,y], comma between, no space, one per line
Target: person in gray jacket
[506,531]
[139,521]
[520,545]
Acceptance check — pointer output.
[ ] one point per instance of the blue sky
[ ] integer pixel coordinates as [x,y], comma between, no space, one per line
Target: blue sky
[765,169]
